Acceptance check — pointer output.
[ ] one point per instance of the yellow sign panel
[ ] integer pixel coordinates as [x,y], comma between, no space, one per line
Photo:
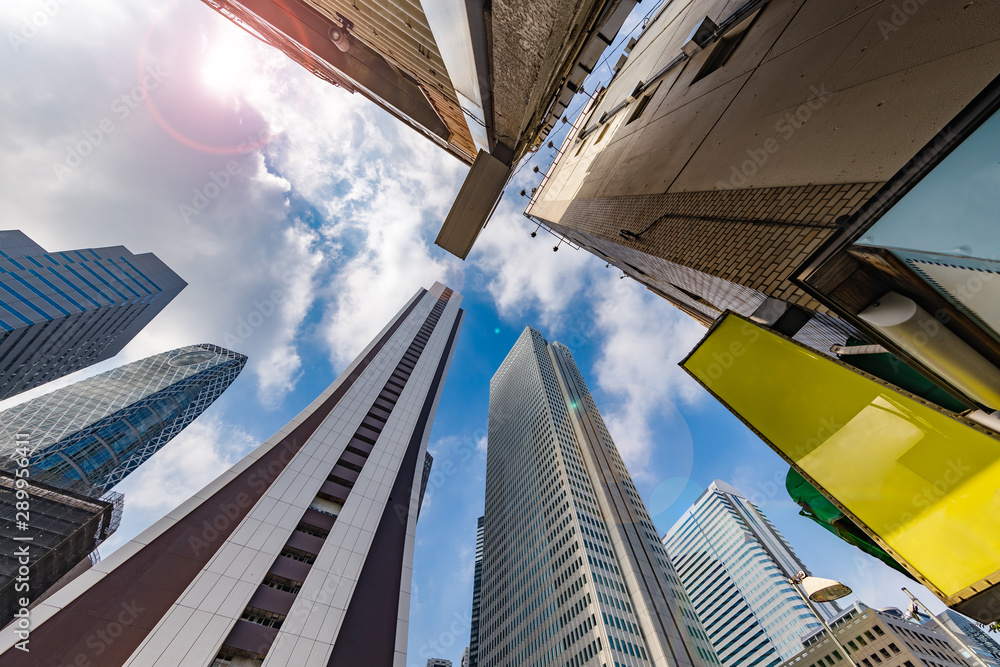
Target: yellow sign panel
[928,485]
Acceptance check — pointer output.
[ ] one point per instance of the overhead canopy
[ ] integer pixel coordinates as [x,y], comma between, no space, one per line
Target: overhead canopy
[921,482]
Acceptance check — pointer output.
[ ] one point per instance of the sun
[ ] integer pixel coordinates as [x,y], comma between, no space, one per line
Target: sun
[226,68]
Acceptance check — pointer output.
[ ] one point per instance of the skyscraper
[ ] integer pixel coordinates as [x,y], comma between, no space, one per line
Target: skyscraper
[573,571]
[735,565]
[790,163]
[477,597]
[63,311]
[72,445]
[438,662]
[300,554]
[976,637]
[90,435]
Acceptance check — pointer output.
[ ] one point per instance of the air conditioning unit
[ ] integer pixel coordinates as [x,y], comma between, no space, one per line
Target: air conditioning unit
[700,37]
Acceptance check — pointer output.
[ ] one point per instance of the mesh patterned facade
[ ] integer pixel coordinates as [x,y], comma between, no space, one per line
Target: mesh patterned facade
[91,434]
[63,311]
[573,572]
[735,565]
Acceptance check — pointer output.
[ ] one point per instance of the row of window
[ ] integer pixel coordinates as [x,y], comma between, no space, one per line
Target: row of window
[374,420]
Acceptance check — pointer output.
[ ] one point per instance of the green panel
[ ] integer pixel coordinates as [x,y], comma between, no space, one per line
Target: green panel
[817,507]
[927,484]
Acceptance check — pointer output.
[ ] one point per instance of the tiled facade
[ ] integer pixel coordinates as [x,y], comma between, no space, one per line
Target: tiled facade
[735,565]
[735,136]
[572,572]
[471,656]
[877,638]
[284,559]
[63,311]
[748,238]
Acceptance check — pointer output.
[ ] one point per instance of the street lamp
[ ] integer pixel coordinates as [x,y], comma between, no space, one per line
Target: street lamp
[914,603]
[821,590]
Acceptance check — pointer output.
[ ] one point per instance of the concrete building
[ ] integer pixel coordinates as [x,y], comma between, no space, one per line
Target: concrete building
[877,638]
[734,566]
[63,311]
[438,662]
[73,445]
[738,136]
[300,554]
[64,530]
[465,657]
[485,81]
[819,170]
[573,572]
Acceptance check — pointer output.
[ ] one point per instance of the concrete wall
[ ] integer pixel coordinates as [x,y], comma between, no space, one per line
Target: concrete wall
[820,104]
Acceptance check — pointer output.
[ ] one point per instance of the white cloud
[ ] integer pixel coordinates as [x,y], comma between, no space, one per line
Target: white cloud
[394,255]
[223,219]
[524,273]
[279,366]
[642,339]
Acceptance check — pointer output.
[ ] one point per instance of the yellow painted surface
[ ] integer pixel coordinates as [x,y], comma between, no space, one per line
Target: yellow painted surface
[927,484]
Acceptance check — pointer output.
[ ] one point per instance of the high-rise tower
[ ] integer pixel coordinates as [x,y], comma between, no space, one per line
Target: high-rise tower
[472,652]
[63,311]
[573,571]
[300,554]
[735,565]
[71,446]
[90,435]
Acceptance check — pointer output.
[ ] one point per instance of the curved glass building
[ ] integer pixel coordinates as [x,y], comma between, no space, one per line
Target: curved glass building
[89,435]
[78,442]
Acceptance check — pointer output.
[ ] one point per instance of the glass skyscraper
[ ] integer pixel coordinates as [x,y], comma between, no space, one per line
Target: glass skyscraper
[63,311]
[89,435]
[974,635]
[573,572]
[77,442]
[735,565]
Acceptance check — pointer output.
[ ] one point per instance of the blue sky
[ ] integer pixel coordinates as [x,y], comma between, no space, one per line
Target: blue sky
[302,218]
